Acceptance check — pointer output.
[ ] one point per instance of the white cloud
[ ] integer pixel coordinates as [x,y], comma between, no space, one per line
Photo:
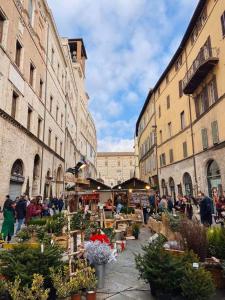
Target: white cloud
[115,144]
[129,43]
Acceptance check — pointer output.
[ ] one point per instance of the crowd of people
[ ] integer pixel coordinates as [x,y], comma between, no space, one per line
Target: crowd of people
[207,207]
[23,209]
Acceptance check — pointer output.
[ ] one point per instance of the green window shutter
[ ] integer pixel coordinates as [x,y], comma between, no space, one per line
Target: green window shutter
[205,99]
[171,155]
[215,88]
[204,138]
[185,149]
[215,132]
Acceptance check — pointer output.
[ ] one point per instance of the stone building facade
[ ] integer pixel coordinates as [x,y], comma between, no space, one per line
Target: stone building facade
[41,90]
[115,167]
[189,105]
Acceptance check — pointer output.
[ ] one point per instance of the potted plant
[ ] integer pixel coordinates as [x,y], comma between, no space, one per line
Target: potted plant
[197,284]
[35,292]
[136,230]
[90,283]
[61,282]
[75,286]
[99,254]
[24,235]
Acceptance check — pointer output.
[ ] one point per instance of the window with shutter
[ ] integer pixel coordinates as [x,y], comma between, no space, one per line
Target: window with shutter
[171,155]
[180,89]
[215,88]
[205,99]
[185,154]
[182,120]
[215,132]
[204,138]
[2,20]
[223,23]
[197,106]
[168,101]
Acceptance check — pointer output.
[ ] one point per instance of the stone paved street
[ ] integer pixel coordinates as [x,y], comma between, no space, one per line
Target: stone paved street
[122,278]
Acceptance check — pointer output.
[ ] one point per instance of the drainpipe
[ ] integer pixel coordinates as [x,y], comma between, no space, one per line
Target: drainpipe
[46,80]
[156,144]
[192,134]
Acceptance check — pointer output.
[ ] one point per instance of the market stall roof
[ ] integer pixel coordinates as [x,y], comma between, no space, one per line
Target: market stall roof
[97,185]
[132,183]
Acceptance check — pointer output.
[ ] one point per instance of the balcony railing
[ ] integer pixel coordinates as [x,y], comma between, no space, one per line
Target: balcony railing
[206,59]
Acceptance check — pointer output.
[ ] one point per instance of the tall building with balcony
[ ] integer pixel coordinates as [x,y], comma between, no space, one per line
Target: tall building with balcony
[41,90]
[189,108]
[115,167]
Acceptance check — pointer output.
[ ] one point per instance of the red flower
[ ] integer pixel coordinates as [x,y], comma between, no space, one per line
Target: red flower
[100,237]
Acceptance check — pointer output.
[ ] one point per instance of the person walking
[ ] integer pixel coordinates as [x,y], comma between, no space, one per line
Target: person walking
[21,208]
[9,219]
[206,209]
[34,210]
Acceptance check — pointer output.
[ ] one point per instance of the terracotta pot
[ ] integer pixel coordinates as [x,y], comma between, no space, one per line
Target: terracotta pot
[91,295]
[76,297]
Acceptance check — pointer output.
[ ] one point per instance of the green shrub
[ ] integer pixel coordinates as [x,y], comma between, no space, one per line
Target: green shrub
[23,261]
[216,242]
[174,221]
[38,221]
[173,275]
[197,284]
[110,233]
[156,266]
[127,210]
[80,221]
[24,234]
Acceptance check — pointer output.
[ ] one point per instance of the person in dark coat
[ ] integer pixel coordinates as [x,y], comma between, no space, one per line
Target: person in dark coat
[21,208]
[169,204]
[206,209]
[60,204]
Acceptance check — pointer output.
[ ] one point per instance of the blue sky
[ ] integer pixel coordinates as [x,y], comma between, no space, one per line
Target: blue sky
[129,43]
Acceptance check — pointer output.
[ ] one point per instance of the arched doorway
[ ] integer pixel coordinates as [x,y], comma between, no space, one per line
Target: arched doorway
[36,175]
[188,187]
[16,179]
[59,181]
[172,188]
[164,187]
[213,177]
[48,186]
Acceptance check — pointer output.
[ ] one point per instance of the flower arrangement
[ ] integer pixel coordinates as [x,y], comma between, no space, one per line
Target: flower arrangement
[98,253]
[103,238]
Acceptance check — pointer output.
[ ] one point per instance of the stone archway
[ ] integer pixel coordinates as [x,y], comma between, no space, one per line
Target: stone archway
[188,187]
[213,177]
[48,187]
[172,188]
[36,175]
[16,179]
[59,181]
[164,187]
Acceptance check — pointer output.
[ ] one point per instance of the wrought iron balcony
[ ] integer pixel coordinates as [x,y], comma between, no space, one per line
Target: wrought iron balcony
[206,59]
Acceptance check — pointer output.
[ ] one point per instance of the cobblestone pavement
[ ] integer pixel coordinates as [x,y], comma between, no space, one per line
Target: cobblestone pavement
[121,282]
